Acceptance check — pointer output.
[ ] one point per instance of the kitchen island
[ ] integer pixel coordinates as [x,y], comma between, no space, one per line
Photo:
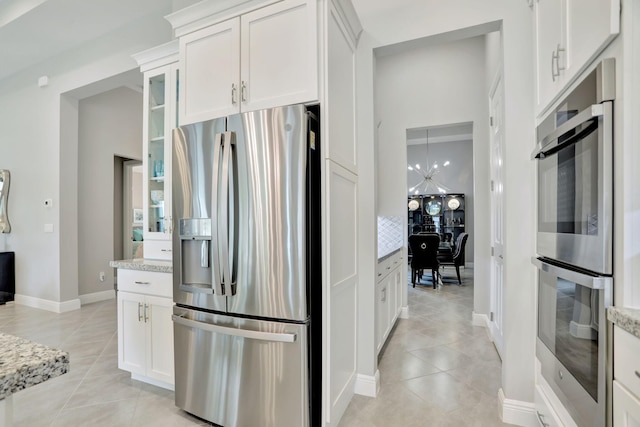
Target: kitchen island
[24,364]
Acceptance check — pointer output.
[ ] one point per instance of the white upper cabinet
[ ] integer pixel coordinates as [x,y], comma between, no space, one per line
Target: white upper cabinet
[569,36]
[160,93]
[210,61]
[237,65]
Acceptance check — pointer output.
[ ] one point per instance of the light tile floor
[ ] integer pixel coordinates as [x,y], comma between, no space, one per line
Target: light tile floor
[95,392]
[436,369]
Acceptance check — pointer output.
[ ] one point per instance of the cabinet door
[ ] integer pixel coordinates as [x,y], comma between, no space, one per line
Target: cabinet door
[393,295]
[550,30]
[210,72]
[626,407]
[279,63]
[591,25]
[160,338]
[131,333]
[160,92]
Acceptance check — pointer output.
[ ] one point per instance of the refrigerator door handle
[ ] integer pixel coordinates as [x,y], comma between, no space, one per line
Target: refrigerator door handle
[244,333]
[226,215]
[204,254]
[215,235]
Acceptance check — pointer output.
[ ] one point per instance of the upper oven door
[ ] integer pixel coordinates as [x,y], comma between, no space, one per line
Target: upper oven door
[575,191]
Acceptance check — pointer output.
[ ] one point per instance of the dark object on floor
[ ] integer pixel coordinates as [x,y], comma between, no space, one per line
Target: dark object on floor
[456,258]
[424,248]
[7,277]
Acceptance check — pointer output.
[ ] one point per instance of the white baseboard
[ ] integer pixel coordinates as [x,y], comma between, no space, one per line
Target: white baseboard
[152,381]
[404,312]
[367,385]
[479,319]
[517,412]
[97,296]
[48,305]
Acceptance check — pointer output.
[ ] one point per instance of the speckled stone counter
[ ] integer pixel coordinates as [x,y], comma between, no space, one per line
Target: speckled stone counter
[24,364]
[625,318]
[144,265]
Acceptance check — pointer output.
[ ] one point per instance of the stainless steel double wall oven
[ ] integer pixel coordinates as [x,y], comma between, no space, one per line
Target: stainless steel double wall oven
[574,156]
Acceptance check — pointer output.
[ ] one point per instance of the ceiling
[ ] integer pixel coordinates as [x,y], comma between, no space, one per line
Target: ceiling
[32,31]
[445,133]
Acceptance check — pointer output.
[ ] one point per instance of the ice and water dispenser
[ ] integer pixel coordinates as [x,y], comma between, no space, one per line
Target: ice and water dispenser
[195,252]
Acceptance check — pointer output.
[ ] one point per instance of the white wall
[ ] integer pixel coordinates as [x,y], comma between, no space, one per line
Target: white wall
[110,124]
[387,23]
[40,150]
[457,177]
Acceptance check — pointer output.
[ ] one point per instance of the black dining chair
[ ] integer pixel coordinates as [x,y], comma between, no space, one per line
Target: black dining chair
[424,248]
[455,258]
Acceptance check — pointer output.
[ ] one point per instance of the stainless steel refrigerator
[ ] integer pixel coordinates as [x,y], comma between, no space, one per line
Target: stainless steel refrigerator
[247,268]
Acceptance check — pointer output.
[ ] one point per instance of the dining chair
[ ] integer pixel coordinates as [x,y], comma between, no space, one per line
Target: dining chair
[424,248]
[455,258]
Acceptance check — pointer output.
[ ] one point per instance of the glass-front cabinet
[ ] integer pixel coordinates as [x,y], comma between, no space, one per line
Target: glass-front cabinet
[159,118]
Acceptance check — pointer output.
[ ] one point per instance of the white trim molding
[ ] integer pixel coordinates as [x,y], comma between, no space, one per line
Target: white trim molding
[48,305]
[404,312]
[97,296]
[367,385]
[517,412]
[480,319]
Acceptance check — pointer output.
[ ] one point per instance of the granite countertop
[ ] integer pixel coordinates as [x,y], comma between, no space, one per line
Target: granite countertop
[144,265]
[24,364]
[625,318]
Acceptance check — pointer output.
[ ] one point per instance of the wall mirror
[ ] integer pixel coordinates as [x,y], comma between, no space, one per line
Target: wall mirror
[5,181]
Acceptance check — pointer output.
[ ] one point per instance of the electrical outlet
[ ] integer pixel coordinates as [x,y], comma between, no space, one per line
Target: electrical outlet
[101,276]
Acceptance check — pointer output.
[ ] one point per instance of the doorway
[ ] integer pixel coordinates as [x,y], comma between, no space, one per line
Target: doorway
[132,231]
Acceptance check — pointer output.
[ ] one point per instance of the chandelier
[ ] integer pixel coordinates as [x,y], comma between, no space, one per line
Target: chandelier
[428,184]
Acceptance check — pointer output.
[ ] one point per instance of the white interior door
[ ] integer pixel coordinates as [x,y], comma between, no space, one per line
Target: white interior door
[497,210]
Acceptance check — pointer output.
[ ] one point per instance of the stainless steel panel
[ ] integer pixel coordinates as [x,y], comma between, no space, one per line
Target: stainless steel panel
[269,167]
[584,409]
[229,370]
[590,251]
[192,190]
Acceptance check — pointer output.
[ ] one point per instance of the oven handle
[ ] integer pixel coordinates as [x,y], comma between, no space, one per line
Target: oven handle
[547,143]
[586,280]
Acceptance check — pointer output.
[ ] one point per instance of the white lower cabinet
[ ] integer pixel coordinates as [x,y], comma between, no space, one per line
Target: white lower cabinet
[544,412]
[388,297]
[626,407]
[626,384]
[145,337]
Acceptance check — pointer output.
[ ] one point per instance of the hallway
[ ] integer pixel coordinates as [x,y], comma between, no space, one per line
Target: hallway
[436,369]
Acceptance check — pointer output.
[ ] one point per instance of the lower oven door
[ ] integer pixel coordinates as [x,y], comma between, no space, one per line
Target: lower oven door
[572,344]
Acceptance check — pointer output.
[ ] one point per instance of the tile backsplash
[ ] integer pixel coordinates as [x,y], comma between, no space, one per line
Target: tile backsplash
[389,234]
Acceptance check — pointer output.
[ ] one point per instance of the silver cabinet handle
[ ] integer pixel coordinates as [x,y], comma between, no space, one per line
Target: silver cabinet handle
[141,283]
[234,91]
[243,92]
[553,71]
[541,419]
[139,314]
[146,317]
[244,333]
[166,250]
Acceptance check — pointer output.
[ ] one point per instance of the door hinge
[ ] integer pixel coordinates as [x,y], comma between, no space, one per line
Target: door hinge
[491,185]
[491,316]
[490,120]
[491,250]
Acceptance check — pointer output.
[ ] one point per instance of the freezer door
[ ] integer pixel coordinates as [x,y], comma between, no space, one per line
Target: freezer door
[241,372]
[269,205]
[195,253]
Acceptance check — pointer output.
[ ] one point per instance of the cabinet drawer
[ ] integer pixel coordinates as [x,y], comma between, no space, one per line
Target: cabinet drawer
[158,249]
[388,264]
[626,363]
[146,282]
